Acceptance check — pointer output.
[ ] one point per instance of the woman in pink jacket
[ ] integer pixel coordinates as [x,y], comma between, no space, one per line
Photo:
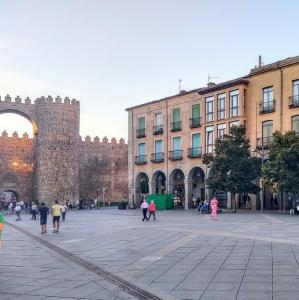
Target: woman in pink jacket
[214,208]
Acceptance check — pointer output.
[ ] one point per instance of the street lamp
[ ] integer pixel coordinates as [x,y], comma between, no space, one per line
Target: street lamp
[262,180]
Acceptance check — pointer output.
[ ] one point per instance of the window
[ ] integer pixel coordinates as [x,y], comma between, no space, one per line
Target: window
[295,123]
[141,123]
[158,119]
[141,156]
[210,139]
[141,127]
[296,88]
[268,102]
[177,147]
[141,149]
[210,109]
[177,143]
[234,103]
[295,97]
[196,145]
[221,130]
[158,156]
[176,115]
[195,118]
[158,125]
[176,119]
[221,106]
[158,146]
[267,133]
[234,123]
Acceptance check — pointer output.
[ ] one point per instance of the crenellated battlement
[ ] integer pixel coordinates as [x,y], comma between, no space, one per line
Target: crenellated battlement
[87,140]
[41,100]
[15,135]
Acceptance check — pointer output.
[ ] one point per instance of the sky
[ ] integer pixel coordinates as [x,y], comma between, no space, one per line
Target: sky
[113,54]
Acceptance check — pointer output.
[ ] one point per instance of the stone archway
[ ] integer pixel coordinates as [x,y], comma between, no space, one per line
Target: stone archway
[177,187]
[196,186]
[159,183]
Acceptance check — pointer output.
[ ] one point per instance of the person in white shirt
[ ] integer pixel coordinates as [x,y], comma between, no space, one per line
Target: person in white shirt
[144,207]
[63,211]
[18,211]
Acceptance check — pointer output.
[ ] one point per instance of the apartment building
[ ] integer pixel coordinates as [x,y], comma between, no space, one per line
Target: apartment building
[168,137]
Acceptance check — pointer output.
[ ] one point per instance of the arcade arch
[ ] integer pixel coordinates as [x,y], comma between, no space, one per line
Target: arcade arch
[141,187]
[177,187]
[158,183]
[196,186]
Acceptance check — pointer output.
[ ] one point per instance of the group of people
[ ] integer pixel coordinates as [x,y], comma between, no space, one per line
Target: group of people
[57,211]
[205,207]
[151,208]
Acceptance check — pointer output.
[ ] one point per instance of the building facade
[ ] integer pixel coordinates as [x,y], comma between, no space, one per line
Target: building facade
[168,137]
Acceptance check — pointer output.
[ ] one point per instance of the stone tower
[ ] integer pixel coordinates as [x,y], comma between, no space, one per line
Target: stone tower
[56,127]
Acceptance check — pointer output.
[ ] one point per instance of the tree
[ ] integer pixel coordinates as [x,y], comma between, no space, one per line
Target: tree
[281,171]
[234,170]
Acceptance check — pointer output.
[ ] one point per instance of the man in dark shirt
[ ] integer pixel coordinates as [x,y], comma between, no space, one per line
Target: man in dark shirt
[43,212]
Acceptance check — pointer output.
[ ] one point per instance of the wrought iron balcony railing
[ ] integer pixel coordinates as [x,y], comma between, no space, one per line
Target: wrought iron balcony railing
[158,129]
[194,152]
[176,126]
[140,133]
[294,101]
[264,143]
[157,157]
[194,122]
[266,107]
[140,160]
[176,155]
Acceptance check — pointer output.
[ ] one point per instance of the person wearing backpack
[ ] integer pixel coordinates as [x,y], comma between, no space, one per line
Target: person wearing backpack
[152,210]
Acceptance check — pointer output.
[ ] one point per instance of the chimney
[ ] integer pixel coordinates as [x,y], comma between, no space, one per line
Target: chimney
[260,61]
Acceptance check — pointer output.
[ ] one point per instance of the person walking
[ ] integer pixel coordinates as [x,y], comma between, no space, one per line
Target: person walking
[43,213]
[18,209]
[33,211]
[214,208]
[56,213]
[63,211]
[144,207]
[152,210]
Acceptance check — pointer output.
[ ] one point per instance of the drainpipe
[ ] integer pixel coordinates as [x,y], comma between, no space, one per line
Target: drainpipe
[167,151]
[281,99]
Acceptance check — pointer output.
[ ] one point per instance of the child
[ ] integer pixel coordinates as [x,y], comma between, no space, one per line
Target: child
[152,210]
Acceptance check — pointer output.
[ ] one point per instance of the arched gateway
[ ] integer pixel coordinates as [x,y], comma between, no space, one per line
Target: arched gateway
[55,165]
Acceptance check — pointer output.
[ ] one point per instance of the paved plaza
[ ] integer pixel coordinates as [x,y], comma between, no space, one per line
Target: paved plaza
[182,255]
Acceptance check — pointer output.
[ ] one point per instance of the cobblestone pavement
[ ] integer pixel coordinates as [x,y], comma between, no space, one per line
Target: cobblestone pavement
[182,255]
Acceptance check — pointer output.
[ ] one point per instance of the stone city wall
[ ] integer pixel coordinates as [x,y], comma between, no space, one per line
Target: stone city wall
[103,164]
[16,164]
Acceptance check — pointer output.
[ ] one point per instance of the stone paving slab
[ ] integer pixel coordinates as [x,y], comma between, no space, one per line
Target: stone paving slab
[182,254]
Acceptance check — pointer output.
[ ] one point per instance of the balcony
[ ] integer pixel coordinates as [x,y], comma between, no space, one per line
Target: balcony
[194,152]
[140,133]
[194,122]
[176,155]
[264,143]
[157,157]
[158,129]
[176,126]
[266,107]
[140,160]
[294,101]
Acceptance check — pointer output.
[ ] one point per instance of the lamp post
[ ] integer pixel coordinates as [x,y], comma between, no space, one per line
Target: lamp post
[104,196]
[262,181]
